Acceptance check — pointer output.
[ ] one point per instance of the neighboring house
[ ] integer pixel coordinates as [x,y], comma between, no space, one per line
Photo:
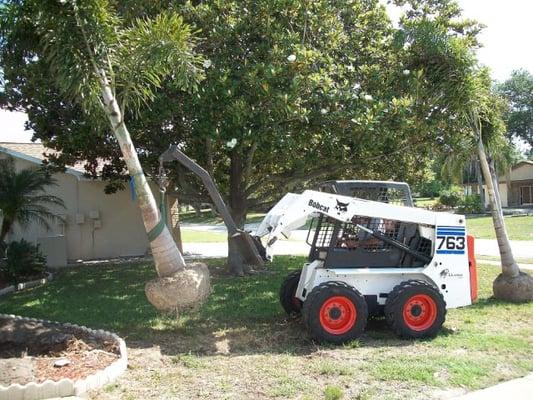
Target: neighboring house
[516,189]
[97,225]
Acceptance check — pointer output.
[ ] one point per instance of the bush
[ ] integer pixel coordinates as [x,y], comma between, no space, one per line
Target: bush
[471,204]
[450,197]
[22,260]
[429,189]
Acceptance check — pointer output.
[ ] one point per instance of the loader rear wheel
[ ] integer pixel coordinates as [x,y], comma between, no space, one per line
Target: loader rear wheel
[287,292]
[415,309]
[335,312]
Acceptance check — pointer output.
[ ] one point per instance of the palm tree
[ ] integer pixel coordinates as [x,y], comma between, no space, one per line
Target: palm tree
[23,197]
[512,284]
[107,68]
[466,90]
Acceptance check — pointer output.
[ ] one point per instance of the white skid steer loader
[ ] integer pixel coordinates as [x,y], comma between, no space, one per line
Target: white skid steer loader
[370,257]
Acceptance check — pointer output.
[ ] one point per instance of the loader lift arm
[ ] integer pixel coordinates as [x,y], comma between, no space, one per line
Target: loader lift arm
[242,239]
[293,210]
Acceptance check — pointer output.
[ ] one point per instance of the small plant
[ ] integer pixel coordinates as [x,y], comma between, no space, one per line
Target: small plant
[471,204]
[333,393]
[450,197]
[22,260]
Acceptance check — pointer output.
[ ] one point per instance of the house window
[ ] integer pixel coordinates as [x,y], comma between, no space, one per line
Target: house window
[526,195]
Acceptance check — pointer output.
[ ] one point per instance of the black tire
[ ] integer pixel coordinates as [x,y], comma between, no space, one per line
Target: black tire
[290,304]
[328,315]
[415,309]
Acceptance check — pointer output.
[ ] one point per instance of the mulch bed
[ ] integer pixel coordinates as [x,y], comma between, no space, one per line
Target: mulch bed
[30,350]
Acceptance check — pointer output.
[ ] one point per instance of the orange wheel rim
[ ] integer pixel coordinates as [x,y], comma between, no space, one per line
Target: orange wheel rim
[419,312]
[338,315]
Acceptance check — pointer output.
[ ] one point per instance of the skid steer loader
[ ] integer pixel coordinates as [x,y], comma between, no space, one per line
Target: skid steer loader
[369,257]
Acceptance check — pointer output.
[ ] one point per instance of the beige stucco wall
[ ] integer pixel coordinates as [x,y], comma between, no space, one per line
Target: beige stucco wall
[121,231]
[521,173]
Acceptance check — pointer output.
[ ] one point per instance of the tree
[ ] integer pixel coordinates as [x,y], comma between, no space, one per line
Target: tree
[484,115]
[295,92]
[518,117]
[465,91]
[23,197]
[106,68]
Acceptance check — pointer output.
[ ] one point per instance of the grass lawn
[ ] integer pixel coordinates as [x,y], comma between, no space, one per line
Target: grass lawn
[518,228]
[194,236]
[425,202]
[240,345]
[206,217]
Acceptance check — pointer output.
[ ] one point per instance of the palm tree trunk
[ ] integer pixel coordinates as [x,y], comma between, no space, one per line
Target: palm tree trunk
[479,179]
[509,266]
[168,259]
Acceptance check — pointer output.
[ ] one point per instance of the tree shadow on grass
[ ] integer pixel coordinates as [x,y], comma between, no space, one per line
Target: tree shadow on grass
[242,315]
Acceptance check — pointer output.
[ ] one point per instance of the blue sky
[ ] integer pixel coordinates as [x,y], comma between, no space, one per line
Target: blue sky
[506,46]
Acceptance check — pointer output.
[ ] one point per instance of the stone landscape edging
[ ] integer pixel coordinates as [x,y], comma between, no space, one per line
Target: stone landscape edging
[68,387]
[26,285]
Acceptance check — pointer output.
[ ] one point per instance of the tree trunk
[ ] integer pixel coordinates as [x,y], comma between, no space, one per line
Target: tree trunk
[509,265]
[5,227]
[480,185]
[174,223]
[168,259]
[512,284]
[238,211]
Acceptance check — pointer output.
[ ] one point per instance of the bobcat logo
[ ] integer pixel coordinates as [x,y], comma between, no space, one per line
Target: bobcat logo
[341,207]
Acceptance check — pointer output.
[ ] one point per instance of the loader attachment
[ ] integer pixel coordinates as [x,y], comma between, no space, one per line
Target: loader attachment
[249,249]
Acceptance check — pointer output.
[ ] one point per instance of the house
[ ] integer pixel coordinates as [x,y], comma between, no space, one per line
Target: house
[96,225]
[516,189]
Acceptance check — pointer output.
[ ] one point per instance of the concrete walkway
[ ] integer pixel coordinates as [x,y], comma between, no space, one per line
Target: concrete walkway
[484,247]
[489,247]
[297,246]
[517,389]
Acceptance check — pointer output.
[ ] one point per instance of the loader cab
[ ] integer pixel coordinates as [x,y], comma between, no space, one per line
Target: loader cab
[344,245]
[384,191]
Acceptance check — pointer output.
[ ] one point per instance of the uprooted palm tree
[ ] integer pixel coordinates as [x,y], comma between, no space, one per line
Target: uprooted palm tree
[483,113]
[23,197]
[108,68]
[466,89]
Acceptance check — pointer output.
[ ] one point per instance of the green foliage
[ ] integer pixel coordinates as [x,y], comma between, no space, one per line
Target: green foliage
[23,197]
[431,189]
[309,90]
[451,197]
[471,204]
[22,260]
[518,91]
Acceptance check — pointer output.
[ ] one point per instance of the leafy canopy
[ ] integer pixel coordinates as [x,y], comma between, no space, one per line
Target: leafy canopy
[295,91]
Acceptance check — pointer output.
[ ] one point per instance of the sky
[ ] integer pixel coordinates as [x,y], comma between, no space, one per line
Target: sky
[506,40]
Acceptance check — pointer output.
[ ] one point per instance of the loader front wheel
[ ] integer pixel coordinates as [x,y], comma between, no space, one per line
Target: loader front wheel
[287,293]
[335,312]
[415,309]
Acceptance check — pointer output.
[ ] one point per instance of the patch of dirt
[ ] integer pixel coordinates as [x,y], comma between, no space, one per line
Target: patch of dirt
[30,352]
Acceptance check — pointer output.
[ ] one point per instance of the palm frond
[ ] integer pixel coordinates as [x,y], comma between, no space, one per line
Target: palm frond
[152,50]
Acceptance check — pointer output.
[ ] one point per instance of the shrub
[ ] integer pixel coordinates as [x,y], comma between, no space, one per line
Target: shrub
[22,260]
[429,189]
[450,197]
[471,204]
